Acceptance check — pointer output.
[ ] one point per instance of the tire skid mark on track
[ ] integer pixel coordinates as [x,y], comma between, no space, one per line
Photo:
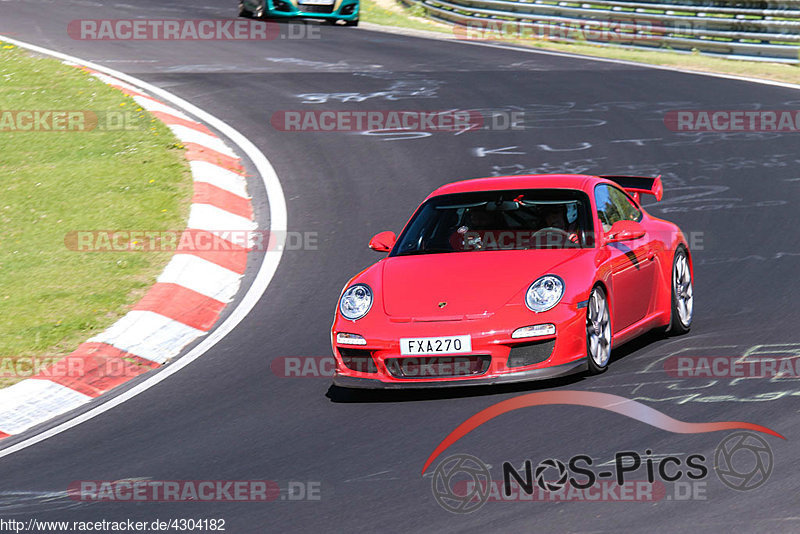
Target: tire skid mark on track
[183,305]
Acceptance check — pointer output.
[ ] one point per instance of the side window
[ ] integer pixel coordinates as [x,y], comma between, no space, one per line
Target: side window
[613,205]
[626,207]
[606,210]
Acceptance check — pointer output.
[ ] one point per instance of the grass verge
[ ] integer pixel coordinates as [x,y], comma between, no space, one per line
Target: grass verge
[392,13]
[126,175]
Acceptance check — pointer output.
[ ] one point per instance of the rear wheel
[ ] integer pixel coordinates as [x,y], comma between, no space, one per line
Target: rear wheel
[682,310]
[598,332]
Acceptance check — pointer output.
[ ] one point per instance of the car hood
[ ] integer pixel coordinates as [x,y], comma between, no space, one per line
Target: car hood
[470,283]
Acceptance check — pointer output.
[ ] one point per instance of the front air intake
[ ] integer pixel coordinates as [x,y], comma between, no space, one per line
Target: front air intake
[530,353]
[359,360]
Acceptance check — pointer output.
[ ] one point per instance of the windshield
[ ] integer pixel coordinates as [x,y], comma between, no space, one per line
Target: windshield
[498,220]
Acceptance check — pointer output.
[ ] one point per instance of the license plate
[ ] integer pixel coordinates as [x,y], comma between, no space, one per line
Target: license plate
[315,2]
[410,346]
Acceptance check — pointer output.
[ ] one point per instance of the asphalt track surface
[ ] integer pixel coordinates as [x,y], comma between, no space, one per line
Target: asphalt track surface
[228,417]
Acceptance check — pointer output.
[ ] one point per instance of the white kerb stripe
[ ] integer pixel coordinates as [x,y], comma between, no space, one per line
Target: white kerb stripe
[202,276]
[113,81]
[217,220]
[151,105]
[149,335]
[33,401]
[202,171]
[188,135]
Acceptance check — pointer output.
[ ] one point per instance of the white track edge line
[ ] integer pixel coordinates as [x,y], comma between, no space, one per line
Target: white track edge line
[278,225]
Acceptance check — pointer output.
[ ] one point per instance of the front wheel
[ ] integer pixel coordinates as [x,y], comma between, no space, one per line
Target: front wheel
[351,22]
[244,12]
[598,332]
[682,309]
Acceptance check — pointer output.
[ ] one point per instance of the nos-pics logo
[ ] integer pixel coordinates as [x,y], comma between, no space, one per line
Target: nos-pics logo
[743,461]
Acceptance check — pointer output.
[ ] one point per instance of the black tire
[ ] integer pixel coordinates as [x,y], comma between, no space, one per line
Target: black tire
[351,22]
[682,292]
[243,12]
[598,332]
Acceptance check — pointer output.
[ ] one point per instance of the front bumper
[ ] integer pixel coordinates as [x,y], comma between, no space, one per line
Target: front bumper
[544,373]
[340,10]
[495,357]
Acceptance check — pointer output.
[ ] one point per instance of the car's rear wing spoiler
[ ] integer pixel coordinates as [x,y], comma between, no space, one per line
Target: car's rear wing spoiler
[636,185]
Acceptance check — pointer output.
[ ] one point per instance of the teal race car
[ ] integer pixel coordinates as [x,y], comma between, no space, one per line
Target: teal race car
[330,11]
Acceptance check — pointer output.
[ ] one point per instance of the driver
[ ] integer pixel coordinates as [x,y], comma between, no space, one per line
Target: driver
[481,219]
[563,218]
[554,218]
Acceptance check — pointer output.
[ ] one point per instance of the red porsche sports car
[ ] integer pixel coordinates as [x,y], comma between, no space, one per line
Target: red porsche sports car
[513,278]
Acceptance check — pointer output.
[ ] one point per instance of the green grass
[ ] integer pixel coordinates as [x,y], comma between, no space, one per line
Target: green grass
[400,16]
[53,298]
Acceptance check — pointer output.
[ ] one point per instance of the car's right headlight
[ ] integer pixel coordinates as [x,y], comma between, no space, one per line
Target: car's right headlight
[356,301]
[544,293]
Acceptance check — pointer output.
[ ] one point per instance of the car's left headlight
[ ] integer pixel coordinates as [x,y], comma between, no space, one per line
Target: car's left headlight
[544,293]
[356,301]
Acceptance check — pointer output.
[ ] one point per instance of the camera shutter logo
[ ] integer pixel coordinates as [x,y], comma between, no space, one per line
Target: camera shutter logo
[551,485]
[458,466]
[743,461]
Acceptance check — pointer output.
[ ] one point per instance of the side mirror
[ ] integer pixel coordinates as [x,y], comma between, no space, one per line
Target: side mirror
[383,242]
[624,231]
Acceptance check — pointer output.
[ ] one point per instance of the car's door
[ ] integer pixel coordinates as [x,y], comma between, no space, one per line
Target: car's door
[633,268]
